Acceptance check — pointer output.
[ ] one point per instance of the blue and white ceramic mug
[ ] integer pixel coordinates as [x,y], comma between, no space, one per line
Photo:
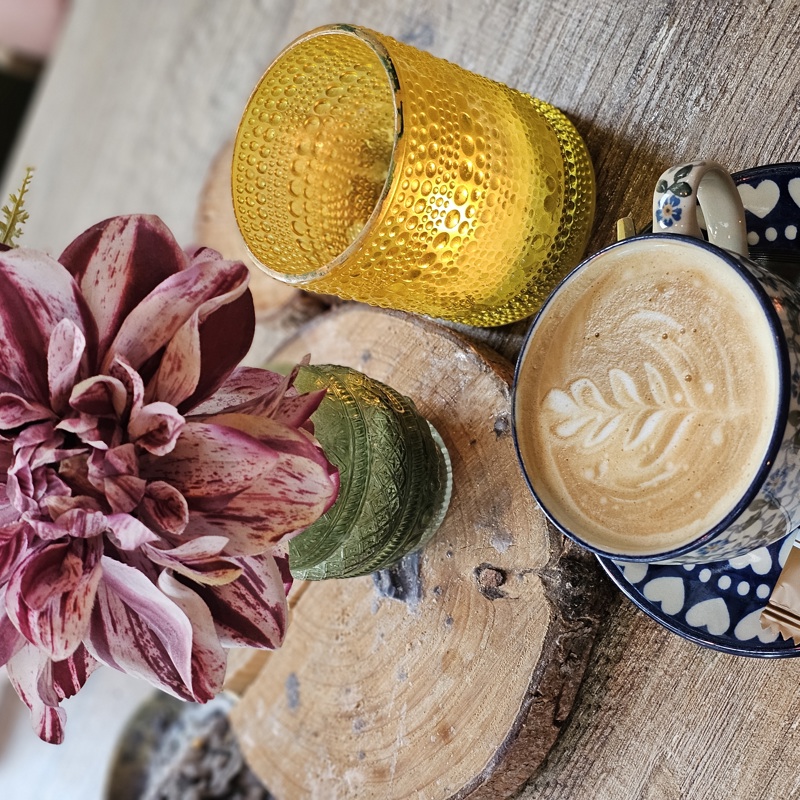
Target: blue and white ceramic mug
[655,409]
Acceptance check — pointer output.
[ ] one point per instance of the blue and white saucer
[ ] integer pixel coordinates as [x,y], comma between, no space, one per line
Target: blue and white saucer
[718,604]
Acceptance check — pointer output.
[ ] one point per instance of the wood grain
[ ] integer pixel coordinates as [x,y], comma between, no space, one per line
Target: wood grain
[140,97]
[463,692]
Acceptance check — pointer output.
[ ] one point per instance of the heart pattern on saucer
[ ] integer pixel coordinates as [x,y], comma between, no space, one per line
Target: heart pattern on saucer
[794,190]
[716,604]
[762,199]
[771,197]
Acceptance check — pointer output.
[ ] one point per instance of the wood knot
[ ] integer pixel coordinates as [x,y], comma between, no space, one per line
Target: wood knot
[490,579]
[502,425]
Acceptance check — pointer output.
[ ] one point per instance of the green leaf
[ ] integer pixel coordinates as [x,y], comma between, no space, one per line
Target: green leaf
[661,187]
[683,172]
[681,189]
[14,214]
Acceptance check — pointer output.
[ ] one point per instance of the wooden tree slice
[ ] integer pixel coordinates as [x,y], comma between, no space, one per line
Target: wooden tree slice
[280,309]
[463,691]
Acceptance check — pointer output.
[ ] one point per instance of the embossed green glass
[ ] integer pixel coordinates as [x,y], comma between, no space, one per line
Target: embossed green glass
[396,479]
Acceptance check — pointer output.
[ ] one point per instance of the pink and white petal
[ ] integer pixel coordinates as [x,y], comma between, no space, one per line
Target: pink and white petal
[65,362]
[281,555]
[29,671]
[19,489]
[243,385]
[70,675]
[158,317]
[251,611]
[211,461]
[50,595]
[197,549]
[164,509]
[225,339]
[15,412]
[93,431]
[99,396]
[138,630]
[121,369]
[294,493]
[11,640]
[294,410]
[179,371]
[207,259]
[209,660]
[124,492]
[280,400]
[79,523]
[121,460]
[127,532]
[45,440]
[204,568]
[156,428]
[47,484]
[114,472]
[36,293]
[58,505]
[8,514]
[117,263]
[15,540]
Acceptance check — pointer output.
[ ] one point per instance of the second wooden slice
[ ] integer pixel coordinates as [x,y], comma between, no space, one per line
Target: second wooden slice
[461,689]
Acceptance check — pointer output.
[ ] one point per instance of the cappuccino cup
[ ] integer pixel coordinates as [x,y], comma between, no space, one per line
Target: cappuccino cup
[655,406]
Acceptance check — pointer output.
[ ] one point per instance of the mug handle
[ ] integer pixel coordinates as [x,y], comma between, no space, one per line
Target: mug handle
[675,200]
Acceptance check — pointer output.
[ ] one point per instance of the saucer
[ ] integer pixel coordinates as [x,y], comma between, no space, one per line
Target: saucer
[718,604]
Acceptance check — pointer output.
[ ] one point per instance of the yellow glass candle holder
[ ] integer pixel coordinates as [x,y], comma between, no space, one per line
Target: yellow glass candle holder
[370,170]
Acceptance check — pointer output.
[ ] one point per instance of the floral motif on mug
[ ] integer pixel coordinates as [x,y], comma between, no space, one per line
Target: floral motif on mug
[668,211]
[669,207]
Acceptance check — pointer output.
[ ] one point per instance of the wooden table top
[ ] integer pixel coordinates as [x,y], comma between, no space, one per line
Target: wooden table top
[138,99]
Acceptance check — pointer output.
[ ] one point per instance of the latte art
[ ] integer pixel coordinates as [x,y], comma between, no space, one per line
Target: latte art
[647,397]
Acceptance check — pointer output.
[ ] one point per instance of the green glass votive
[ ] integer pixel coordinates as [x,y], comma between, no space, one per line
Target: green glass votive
[396,478]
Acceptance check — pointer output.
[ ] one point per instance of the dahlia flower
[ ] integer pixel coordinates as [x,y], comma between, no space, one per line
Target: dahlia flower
[149,487]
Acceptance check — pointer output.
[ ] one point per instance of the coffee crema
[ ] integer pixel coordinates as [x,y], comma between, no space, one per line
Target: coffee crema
[647,397]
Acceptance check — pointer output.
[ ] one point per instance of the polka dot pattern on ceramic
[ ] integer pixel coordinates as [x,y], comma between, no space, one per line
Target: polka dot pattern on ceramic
[771,197]
[717,604]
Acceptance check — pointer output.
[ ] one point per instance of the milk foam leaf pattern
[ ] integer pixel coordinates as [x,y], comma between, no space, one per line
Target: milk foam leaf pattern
[583,413]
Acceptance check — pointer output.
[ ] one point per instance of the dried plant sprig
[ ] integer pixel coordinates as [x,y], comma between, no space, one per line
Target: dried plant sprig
[14,214]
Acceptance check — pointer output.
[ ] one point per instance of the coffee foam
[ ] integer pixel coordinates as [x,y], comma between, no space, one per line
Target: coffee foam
[646,397]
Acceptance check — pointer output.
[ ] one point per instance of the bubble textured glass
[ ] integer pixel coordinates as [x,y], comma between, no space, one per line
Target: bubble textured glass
[395,474]
[370,170]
